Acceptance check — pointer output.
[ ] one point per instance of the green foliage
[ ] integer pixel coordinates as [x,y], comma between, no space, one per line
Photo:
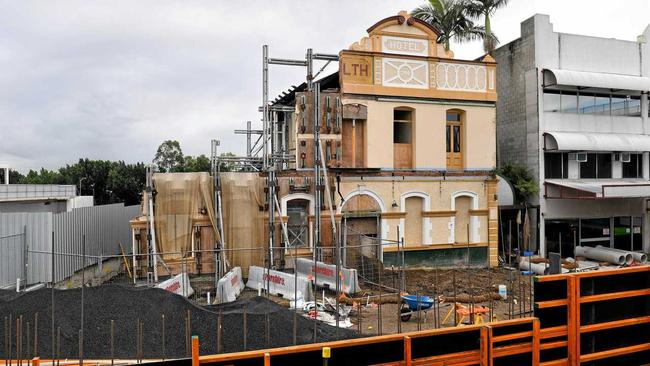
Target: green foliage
[453,19]
[169,157]
[486,8]
[107,181]
[521,178]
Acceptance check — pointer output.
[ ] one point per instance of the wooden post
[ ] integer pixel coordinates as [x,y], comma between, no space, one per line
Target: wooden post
[267,359]
[36,361]
[195,350]
[407,351]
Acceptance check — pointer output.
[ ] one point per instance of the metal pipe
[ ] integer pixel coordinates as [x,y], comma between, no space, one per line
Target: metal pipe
[602,255]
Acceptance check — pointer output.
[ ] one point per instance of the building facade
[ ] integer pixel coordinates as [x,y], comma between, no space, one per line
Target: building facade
[408,135]
[574,110]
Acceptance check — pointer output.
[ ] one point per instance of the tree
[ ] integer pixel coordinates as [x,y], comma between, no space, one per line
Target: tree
[199,164]
[521,178]
[169,157]
[452,19]
[486,8]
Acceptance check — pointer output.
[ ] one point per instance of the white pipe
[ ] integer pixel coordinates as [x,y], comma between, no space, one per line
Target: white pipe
[601,255]
[639,257]
[537,268]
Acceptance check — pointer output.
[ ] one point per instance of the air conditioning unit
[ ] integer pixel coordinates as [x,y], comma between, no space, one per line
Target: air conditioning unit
[579,157]
[622,157]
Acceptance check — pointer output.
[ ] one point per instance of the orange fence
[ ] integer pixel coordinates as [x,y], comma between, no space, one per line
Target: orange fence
[583,319]
[594,318]
[502,343]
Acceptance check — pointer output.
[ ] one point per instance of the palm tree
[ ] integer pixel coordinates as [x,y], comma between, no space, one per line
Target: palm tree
[452,19]
[486,8]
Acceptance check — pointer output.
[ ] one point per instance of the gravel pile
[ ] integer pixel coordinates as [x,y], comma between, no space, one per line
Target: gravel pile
[128,305]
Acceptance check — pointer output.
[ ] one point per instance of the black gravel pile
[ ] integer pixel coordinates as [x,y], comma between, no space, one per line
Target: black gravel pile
[127,306]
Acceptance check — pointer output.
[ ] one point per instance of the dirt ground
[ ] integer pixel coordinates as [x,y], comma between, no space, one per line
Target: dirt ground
[446,285]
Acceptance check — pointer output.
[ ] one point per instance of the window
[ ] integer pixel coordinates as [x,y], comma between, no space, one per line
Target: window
[596,166]
[551,101]
[568,103]
[619,105]
[297,223]
[556,165]
[633,168]
[586,103]
[601,105]
[402,127]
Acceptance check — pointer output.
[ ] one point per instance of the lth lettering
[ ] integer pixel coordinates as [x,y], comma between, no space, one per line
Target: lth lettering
[357,70]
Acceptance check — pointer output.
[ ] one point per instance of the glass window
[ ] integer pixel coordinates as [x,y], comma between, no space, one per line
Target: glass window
[604,166]
[564,231]
[586,104]
[456,138]
[569,103]
[637,233]
[297,223]
[634,106]
[453,116]
[556,165]
[601,105]
[623,233]
[551,101]
[595,229]
[633,168]
[619,105]
[588,168]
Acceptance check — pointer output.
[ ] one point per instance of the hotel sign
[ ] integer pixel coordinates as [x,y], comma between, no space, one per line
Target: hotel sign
[405,46]
[356,69]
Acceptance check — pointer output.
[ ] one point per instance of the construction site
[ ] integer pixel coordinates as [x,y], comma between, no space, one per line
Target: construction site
[366,224]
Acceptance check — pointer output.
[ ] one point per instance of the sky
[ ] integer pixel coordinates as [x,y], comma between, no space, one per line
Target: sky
[112,79]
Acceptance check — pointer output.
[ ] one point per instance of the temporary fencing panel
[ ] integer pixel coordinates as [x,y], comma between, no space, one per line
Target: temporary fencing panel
[555,312]
[450,346]
[325,275]
[230,285]
[595,318]
[514,342]
[280,283]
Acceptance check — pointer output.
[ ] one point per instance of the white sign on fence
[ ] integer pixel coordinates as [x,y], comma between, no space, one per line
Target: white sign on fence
[179,284]
[325,274]
[230,286]
[280,283]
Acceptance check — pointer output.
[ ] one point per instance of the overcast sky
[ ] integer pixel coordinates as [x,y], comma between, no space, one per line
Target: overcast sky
[112,79]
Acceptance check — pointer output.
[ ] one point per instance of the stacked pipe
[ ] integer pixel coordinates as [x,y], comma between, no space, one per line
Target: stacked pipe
[604,255]
[636,256]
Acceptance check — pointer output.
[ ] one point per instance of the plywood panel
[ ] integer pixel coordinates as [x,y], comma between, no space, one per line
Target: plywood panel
[353,143]
[463,205]
[402,156]
[413,222]
[362,203]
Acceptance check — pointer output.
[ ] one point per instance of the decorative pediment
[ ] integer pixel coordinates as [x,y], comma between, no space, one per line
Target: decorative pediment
[401,35]
[402,57]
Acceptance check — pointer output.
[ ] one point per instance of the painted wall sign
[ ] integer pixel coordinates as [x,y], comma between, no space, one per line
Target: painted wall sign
[356,69]
[405,46]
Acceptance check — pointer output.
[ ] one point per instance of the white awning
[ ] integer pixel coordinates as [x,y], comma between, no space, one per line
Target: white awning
[596,80]
[602,188]
[593,141]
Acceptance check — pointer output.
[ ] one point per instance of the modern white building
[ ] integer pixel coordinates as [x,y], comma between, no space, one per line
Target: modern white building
[574,110]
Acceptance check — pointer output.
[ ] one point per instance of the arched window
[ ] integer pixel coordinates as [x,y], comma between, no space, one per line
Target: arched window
[454,136]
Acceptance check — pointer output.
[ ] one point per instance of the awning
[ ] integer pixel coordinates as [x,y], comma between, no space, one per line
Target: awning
[593,141]
[597,189]
[595,80]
